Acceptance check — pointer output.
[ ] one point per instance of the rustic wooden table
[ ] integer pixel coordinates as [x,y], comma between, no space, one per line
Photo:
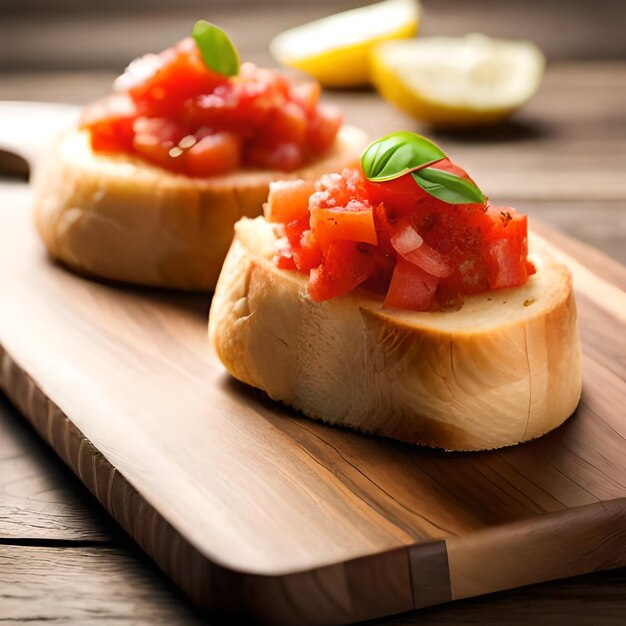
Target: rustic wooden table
[563,159]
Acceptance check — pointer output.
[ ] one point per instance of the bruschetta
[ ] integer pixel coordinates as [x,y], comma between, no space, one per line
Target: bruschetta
[146,190]
[375,305]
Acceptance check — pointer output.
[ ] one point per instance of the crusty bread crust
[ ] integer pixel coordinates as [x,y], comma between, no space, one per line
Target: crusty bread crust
[116,217]
[503,369]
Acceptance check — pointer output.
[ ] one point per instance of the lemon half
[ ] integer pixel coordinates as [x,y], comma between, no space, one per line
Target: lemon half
[464,81]
[336,49]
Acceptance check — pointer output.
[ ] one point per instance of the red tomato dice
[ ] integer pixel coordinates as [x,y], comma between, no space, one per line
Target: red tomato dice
[324,126]
[354,222]
[411,287]
[110,122]
[213,154]
[160,84]
[344,268]
[288,200]
[507,249]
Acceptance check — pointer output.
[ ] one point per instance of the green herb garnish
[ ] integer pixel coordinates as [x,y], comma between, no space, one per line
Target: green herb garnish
[217,50]
[398,154]
[401,153]
[447,186]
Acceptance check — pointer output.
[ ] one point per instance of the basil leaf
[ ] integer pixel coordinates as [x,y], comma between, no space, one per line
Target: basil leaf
[397,154]
[217,50]
[448,187]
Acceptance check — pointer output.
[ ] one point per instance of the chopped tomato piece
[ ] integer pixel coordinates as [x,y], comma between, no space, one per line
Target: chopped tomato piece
[289,122]
[309,254]
[284,257]
[507,249]
[155,138]
[306,252]
[287,157]
[345,267]
[285,262]
[114,135]
[294,230]
[213,154]
[110,122]
[288,200]
[325,123]
[411,287]
[219,109]
[160,84]
[384,229]
[354,222]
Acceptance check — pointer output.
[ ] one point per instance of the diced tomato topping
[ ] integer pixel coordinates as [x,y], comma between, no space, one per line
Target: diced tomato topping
[285,263]
[215,153]
[345,266]
[411,287]
[283,156]
[309,255]
[257,119]
[111,123]
[507,249]
[289,200]
[354,222]
[112,136]
[155,138]
[295,229]
[394,239]
[160,84]
[324,125]
[289,121]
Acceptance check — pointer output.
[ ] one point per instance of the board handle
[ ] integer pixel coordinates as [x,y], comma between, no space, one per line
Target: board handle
[26,131]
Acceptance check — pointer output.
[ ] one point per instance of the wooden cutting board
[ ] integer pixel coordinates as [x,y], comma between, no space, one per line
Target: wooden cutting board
[246,505]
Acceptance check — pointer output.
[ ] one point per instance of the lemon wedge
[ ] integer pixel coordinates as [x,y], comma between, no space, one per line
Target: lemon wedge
[465,81]
[336,49]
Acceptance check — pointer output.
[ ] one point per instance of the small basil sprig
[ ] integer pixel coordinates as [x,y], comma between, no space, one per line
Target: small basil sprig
[217,50]
[401,153]
[397,154]
[447,186]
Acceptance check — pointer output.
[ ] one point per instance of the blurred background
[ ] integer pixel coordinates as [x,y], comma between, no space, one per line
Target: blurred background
[562,157]
[88,43]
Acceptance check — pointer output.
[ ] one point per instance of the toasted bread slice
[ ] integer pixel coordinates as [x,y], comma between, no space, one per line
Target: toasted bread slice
[503,369]
[117,217]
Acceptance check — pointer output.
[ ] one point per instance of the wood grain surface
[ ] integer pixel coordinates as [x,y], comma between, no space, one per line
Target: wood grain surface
[100,586]
[103,585]
[244,504]
[37,501]
[38,577]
